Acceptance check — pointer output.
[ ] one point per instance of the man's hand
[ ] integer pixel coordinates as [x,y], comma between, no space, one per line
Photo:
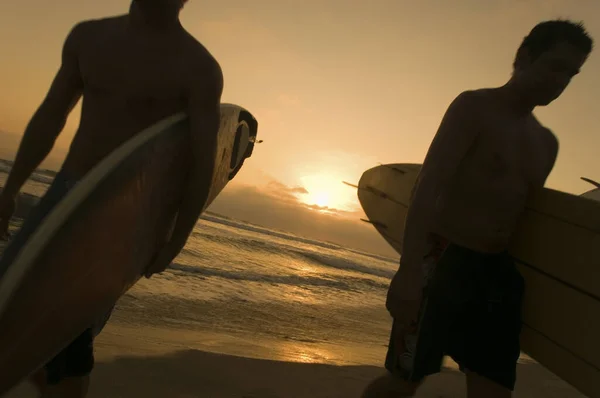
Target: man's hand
[7,209]
[405,295]
[163,259]
[204,111]
[407,314]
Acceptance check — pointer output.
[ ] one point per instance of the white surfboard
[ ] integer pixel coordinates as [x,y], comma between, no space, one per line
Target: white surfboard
[97,242]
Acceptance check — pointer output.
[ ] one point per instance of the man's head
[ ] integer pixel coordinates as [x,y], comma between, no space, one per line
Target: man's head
[166,6]
[548,58]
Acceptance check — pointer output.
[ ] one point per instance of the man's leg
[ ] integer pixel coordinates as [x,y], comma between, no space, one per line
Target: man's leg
[485,340]
[407,370]
[481,387]
[399,359]
[71,387]
[403,377]
[75,387]
[38,379]
[390,386]
[67,374]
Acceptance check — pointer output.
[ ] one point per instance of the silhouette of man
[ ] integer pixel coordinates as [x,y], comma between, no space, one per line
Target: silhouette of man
[488,154]
[132,71]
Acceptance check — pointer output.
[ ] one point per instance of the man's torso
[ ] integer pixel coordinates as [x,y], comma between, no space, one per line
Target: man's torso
[482,204]
[131,80]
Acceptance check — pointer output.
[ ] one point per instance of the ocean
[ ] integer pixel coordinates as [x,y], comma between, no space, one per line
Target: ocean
[289,297]
[244,280]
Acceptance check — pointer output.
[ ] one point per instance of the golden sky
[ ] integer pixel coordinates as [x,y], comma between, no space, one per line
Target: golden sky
[336,85]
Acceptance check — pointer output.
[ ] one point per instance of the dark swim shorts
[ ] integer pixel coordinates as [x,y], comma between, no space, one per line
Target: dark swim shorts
[471,311]
[77,359]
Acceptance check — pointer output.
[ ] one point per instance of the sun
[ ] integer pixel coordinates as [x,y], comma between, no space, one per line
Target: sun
[326,191]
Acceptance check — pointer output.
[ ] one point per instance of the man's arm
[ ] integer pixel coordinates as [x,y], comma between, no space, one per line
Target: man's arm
[553,147]
[51,116]
[205,118]
[456,134]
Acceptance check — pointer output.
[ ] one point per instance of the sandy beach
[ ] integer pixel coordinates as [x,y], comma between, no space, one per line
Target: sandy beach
[153,362]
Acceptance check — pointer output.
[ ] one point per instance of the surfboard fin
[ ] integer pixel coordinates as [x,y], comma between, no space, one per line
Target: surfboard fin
[382,194]
[392,167]
[594,183]
[380,225]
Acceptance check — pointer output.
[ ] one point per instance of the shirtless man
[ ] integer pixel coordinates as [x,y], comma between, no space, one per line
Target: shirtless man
[131,71]
[489,153]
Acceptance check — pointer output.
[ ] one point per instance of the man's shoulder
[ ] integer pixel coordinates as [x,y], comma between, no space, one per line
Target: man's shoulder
[92,27]
[473,99]
[468,107]
[100,23]
[199,56]
[202,65]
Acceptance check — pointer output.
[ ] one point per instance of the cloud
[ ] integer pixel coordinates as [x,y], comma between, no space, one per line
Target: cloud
[275,205]
[300,190]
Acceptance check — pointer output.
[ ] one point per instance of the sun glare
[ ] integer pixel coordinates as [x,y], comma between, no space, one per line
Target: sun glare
[326,191]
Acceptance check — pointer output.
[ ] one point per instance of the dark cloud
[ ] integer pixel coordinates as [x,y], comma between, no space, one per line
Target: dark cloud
[276,206]
[278,189]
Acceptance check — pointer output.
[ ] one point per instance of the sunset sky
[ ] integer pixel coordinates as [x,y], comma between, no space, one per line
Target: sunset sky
[337,86]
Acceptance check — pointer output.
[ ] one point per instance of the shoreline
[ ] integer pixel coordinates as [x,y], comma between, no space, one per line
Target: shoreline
[162,362]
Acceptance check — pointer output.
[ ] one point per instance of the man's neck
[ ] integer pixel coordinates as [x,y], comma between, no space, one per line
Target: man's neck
[516,99]
[152,19]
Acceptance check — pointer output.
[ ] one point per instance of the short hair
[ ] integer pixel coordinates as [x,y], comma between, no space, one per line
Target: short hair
[545,35]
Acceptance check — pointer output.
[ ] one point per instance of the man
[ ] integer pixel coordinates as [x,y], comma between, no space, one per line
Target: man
[489,153]
[131,71]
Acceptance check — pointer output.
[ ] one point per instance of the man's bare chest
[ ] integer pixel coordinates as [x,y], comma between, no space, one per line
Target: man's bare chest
[124,71]
[517,151]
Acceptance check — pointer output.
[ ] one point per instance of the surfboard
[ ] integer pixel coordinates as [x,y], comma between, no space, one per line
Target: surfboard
[556,249]
[97,242]
[594,193]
